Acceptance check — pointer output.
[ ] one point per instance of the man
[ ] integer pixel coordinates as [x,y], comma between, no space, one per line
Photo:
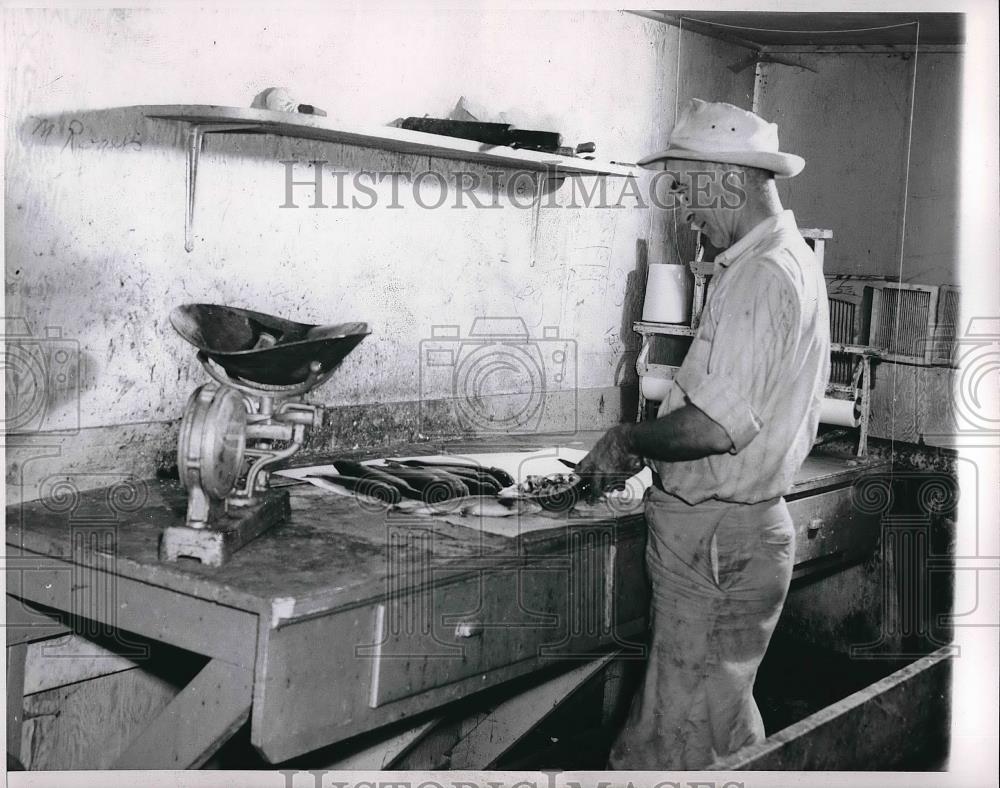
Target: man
[728,439]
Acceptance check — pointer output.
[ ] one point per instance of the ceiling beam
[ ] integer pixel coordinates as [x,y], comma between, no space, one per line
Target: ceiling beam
[937,30]
[861,49]
[698,26]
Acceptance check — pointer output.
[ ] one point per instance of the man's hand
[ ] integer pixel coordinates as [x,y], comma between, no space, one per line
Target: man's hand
[683,434]
[610,463]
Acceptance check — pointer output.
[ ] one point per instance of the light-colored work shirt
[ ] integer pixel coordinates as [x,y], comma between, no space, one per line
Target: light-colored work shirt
[758,366]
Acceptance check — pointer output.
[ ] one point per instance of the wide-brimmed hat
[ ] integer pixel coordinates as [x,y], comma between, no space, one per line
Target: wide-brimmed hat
[720,132]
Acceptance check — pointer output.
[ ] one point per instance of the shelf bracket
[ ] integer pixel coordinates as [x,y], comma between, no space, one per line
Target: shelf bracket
[195,138]
[554,180]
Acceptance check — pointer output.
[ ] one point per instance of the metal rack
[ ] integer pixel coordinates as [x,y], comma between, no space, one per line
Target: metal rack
[860,385]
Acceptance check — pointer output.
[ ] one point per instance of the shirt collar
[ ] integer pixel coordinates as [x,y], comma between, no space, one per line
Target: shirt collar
[783,221]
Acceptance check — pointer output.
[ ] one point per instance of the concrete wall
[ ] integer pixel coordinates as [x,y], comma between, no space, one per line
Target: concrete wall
[95,206]
[849,119]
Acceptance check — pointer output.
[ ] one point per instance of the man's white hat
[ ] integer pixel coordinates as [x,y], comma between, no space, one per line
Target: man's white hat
[720,132]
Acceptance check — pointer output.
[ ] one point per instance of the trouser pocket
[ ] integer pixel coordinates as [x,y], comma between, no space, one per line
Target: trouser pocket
[777,534]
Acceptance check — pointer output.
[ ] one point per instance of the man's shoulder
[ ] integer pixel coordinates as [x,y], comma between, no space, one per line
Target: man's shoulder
[784,260]
[773,268]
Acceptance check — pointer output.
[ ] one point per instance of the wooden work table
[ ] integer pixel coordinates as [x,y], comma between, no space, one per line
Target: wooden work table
[343,619]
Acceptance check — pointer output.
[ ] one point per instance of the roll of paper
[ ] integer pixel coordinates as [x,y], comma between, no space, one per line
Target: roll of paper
[841,412]
[667,297]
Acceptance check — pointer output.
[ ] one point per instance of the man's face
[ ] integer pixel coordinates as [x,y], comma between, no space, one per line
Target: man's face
[708,197]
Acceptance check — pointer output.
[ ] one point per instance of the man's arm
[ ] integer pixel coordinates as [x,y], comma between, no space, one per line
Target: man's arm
[683,434]
[725,382]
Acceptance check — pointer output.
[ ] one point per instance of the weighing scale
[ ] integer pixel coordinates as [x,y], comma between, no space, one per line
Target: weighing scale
[251,415]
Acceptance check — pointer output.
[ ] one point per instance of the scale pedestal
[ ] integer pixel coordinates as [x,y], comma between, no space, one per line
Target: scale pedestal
[249,417]
[215,545]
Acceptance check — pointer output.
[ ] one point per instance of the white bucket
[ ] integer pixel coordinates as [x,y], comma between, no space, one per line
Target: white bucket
[654,387]
[667,297]
[655,380]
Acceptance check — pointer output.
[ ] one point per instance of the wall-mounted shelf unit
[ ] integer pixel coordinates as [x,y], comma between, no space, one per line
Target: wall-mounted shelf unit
[210,119]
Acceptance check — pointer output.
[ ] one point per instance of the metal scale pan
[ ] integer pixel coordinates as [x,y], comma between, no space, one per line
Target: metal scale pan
[251,416]
[264,349]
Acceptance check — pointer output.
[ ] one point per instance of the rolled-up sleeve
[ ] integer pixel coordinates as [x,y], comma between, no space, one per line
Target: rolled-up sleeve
[729,372]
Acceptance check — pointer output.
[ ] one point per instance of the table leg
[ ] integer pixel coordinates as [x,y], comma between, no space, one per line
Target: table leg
[505,725]
[613,697]
[26,624]
[205,714]
[383,754]
[16,656]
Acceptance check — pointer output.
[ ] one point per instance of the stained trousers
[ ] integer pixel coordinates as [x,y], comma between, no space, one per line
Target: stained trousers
[719,573]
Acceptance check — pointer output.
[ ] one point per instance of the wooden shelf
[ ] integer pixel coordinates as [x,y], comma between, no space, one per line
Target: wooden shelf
[316,127]
[211,119]
[647,327]
[857,350]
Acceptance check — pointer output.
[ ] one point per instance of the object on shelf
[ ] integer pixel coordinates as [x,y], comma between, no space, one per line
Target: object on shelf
[908,323]
[855,394]
[816,238]
[850,305]
[850,298]
[488,133]
[468,122]
[281,100]
[655,384]
[902,321]
[668,297]
[467,109]
[841,412]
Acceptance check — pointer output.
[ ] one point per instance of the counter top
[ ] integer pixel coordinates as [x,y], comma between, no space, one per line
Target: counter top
[331,553]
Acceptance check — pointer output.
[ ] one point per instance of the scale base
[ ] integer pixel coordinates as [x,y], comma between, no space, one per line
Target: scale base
[215,545]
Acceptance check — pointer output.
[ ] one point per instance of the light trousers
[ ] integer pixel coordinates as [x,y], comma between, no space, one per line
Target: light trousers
[719,573]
